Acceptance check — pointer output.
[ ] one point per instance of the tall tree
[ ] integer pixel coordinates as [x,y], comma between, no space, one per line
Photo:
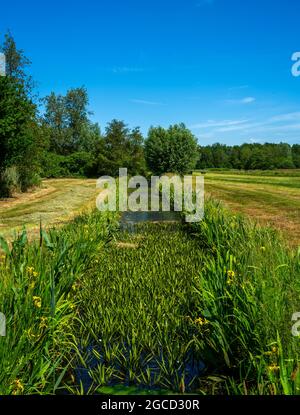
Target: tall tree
[16,62]
[120,148]
[67,118]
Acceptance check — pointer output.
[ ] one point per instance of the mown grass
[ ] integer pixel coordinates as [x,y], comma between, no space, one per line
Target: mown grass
[271,200]
[54,203]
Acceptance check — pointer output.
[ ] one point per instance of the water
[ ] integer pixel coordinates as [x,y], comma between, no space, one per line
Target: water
[130,219]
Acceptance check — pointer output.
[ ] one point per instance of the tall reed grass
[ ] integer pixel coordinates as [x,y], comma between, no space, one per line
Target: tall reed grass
[36,284]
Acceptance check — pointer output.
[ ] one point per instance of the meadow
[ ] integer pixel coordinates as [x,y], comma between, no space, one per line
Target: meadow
[270,198]
[206,308]
[53,203]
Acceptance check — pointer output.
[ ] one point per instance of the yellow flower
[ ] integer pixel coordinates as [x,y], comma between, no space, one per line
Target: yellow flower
[274,350]
[75,286]
[273,368]
[43,322]
[37,301]
[30,334]
[263,248]
[230,275]
[18,387]
[30,270]
[35,274]
[201,321]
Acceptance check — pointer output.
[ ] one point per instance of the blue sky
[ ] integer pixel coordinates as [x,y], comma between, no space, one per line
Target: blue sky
[223,67]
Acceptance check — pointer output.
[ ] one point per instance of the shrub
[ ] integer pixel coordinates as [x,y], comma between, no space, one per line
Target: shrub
[52,166]
[9,182]
[79,163]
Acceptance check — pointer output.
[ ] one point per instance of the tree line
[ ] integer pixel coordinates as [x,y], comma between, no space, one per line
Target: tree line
[267,156]
[54,136]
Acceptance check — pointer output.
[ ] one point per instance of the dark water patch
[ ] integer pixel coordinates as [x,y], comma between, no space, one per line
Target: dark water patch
[189,369]
[130,219]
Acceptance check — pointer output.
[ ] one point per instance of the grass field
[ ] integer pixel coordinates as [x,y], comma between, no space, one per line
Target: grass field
[54,203]
[271,200]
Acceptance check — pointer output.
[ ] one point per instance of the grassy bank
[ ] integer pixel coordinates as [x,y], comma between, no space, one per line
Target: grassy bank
[37,280]
[249,288]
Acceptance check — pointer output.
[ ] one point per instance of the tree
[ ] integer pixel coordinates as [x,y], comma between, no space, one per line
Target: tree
[296,155]
[16,62]
[18,128]
[55,120]
[172,150]
[76,102]
[67,117]
[137,163]
[120,148]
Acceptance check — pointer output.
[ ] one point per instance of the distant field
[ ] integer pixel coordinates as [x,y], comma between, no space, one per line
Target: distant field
[54,203]
[271,199]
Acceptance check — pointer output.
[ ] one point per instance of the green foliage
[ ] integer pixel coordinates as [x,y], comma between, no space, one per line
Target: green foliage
[266,156]
[37,280]
[18,141]
[296,155]
[68,123]
[172,150]
[249,289]
[120,147]
[80,163]
[16,62]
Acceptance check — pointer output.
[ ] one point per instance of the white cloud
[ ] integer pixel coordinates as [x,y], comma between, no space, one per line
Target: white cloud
[292,116]
[213,124]
[281,124]
[246,100]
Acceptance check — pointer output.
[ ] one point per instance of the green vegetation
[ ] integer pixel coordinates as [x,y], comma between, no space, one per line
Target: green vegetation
[92,307]
[268,156]
[36,282]
[172,150]
[143,294]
